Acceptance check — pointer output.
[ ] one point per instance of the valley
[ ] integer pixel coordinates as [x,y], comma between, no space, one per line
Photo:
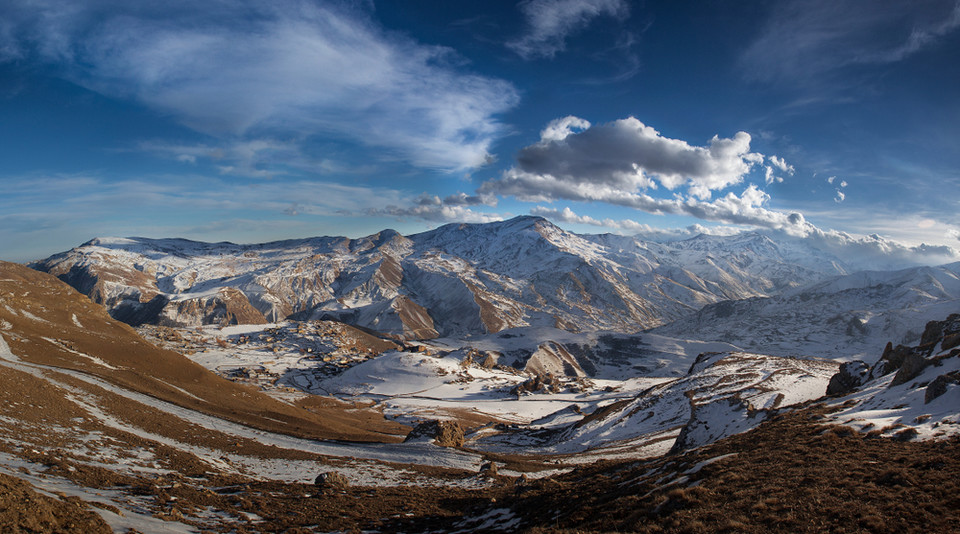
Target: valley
[449,381]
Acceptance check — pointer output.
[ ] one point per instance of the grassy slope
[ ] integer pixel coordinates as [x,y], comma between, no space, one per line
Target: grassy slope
[55,309]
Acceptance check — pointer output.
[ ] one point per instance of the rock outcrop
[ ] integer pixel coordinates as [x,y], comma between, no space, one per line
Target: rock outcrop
[907,362]
[442,433]
[851,376]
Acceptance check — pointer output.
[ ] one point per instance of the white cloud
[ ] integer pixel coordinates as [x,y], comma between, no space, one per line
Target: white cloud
[877,252]
[841,196]
[550,22]
[559,129]
[781,164]
[831,179]
[621,157]
[287,69]
[769,177]
[843,183]
[436,213]
[567,215]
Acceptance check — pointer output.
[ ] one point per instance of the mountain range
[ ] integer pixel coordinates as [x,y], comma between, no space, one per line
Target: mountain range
[456,280]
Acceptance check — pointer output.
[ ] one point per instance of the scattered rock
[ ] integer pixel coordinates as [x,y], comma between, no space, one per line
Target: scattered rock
[443,433]
[546,383]
[331,480]
[850,376]
[940,385]
[489,469]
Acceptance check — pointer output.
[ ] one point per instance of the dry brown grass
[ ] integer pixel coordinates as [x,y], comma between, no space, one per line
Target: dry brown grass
[787,476]
[138,365]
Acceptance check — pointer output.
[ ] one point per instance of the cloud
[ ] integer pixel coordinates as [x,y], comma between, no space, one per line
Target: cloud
[621,157]
[781,164]
[877,252]
[291,69]
[436,213]
[831,179]
[858,252]
[566,215]
[776,163]
[805,40]
[550,22]
[841,196]
[197,195]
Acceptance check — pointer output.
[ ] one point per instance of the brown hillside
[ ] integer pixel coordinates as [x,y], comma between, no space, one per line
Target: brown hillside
[45,321]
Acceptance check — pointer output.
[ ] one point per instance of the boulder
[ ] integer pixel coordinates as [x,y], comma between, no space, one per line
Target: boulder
[850,376]
[913,364]
[442,433]
[489,469]
[331,480]
[940,385]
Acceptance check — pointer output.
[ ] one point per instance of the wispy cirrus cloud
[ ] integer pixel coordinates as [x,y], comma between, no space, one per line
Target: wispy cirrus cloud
[803,41]
[253,70]
[550,22]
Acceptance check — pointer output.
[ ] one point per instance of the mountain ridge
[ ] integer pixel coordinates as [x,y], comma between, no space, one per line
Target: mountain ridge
[458,279]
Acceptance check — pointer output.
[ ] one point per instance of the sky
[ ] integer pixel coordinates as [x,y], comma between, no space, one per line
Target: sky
[835,122]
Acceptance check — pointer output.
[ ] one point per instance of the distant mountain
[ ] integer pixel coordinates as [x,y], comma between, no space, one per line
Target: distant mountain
[458,279]
[844,316]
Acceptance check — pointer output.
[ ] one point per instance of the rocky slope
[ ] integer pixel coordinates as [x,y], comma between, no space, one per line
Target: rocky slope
[456,280]
[850,316]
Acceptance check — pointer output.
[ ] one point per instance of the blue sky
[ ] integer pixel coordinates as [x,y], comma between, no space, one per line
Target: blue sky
[832,121]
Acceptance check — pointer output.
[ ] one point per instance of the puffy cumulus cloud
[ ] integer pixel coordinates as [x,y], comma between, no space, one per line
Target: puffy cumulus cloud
[567,215]
[550,22]
[841,196]
[748,208]
[953,233]
[779,164]
[289,69]
[804,40]
[877,252]
[622,157]
[559,129]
